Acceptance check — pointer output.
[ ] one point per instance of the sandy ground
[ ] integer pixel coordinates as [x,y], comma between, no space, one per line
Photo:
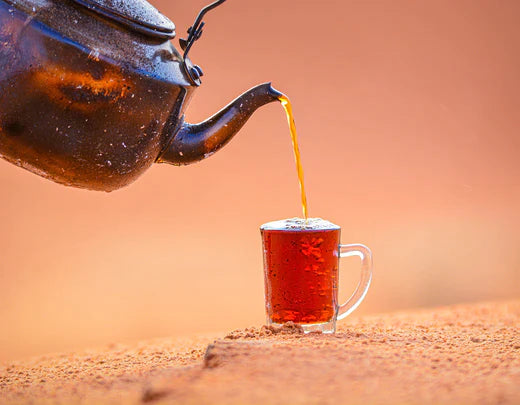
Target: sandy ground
[467,354]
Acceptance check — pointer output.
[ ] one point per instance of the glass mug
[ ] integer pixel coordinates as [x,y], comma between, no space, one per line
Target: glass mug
[301,262]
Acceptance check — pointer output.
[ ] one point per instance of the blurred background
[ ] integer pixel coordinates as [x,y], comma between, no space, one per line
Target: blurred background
[409,127]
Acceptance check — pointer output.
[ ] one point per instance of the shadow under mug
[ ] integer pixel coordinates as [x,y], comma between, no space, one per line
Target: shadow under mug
[301,275]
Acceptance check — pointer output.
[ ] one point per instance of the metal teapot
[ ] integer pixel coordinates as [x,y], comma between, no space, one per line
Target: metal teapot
[92,92]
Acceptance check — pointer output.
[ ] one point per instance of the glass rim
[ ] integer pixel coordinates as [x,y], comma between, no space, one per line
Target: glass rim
[284,225]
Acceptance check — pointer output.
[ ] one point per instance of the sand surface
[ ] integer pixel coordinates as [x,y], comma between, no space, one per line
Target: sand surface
[467,354]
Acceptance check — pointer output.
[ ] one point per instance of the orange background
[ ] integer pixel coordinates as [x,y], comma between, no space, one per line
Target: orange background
[409,124]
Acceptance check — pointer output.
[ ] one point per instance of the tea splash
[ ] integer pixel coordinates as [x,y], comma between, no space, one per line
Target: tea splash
[286,104]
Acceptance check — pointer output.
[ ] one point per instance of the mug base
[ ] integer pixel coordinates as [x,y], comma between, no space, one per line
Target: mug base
[326,327]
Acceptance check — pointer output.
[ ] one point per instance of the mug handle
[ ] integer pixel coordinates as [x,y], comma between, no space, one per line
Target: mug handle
[365,255]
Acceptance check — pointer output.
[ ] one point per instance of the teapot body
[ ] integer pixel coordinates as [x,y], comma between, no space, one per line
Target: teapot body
[92,92]
[86,105]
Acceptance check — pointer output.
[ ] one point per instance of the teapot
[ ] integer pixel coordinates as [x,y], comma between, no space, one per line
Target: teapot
[92,92]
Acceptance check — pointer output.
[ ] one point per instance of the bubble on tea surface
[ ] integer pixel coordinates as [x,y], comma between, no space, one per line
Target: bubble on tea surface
[298,224]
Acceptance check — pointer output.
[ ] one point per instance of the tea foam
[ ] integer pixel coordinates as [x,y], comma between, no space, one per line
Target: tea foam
[297,224]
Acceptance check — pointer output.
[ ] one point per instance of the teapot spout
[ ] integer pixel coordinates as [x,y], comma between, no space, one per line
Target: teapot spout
[194,142]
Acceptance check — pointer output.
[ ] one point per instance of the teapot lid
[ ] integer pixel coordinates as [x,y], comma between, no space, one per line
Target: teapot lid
[138,15]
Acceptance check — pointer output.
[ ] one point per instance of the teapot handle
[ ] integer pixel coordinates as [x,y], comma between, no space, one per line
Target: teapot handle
[195,31]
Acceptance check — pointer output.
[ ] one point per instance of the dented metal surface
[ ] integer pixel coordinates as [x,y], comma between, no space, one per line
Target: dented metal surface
[90,104]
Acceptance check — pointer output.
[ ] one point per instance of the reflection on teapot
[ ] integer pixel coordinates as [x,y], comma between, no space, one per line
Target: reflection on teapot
[92,92]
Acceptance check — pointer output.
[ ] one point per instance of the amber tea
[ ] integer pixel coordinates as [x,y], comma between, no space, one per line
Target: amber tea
[301,272]
[301,261]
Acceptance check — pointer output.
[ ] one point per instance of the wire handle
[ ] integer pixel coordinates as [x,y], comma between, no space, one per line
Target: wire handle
[195,31]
